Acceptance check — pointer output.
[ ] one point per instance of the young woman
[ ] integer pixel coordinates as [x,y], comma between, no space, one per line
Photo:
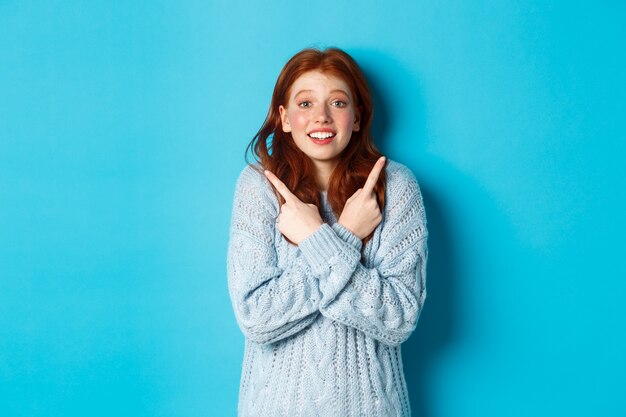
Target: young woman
[327,252]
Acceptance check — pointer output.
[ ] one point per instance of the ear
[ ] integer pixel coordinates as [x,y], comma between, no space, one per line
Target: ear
[357,122]
[284,119]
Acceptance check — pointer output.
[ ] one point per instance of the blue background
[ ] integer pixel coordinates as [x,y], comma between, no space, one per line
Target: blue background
[122,132]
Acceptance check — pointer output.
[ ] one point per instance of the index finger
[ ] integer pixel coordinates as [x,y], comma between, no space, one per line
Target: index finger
[281,187]
[372,178]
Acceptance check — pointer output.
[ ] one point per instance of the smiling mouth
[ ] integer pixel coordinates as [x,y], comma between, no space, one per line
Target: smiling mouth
[321,135]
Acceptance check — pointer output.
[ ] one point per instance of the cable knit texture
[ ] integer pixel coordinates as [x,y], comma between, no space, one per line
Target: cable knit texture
[323,321]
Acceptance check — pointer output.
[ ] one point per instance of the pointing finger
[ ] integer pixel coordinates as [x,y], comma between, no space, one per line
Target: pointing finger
[372,178]
[281,187]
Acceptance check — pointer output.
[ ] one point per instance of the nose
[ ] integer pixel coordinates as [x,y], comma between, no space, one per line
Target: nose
[323,114]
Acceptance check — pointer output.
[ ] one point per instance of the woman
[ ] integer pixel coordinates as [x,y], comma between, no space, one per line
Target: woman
[327,252]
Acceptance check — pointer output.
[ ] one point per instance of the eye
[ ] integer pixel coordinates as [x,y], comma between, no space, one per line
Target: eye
[339,103]
[304,104]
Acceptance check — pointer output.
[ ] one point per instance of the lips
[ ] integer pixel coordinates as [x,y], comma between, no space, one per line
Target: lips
[321,134]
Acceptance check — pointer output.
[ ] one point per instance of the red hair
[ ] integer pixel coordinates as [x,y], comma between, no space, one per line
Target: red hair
[294,167]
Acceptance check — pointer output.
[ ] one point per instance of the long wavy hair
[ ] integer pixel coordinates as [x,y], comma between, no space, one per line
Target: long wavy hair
[294,167]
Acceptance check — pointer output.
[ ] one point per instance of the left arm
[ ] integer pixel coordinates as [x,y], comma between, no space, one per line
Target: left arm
[384,301]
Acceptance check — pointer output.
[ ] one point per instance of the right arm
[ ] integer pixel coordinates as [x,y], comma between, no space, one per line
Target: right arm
[270,303]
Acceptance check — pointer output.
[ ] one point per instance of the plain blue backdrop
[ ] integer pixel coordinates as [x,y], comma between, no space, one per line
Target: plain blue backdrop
[122,131]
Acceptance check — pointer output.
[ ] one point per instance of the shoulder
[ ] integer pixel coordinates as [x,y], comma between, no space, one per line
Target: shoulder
[403,196]
[253,186]
[251,174]
[400,179]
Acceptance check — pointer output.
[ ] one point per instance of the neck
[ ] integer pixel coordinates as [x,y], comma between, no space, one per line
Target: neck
[323,171]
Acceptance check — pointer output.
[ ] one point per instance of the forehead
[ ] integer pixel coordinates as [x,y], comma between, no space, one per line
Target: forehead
[319,82]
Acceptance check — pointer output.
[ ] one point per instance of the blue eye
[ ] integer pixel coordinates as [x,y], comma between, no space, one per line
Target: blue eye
[305,104]
[340,103]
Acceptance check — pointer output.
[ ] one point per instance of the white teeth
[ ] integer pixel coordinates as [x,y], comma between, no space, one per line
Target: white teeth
[321,135]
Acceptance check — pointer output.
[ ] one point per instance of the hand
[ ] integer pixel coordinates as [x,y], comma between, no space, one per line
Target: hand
[297,220]
[361,213]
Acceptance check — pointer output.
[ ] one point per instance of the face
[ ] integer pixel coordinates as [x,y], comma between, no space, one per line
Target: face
[320,115]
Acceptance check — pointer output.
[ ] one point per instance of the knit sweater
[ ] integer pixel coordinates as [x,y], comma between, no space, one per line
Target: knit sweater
[323,321]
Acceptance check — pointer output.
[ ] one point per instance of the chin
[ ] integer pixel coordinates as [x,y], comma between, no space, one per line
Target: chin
[325,156]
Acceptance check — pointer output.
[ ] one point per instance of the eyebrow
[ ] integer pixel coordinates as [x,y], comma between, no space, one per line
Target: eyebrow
[310,91]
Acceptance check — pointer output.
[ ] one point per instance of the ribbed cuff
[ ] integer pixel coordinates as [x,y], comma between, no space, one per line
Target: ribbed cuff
[347,236]
[321,246]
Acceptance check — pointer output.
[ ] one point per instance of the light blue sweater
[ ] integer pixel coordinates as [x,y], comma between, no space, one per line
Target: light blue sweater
[323,326]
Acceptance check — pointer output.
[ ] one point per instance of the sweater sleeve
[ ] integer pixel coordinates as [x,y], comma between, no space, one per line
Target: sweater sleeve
[384,301]
[270,302]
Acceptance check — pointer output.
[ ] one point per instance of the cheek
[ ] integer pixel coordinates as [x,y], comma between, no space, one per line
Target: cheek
[346,119]
[298,120]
